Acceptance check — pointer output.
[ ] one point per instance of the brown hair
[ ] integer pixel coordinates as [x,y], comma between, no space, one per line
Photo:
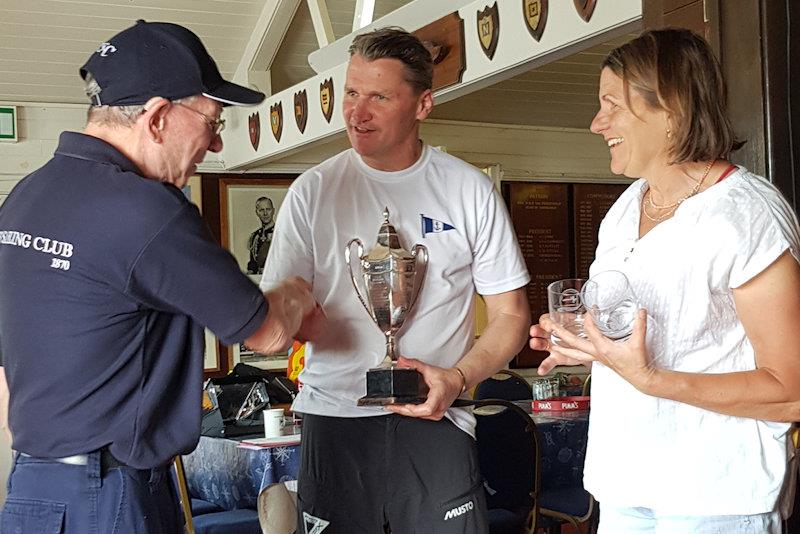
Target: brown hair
[676,71]
[396,43]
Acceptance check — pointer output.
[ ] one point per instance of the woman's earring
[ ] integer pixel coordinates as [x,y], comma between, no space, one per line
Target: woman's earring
[669,133]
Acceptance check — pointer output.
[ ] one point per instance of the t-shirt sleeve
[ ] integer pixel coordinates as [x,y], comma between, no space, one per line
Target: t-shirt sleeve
[291,252]
[498,265]
[182,270]
[763,233]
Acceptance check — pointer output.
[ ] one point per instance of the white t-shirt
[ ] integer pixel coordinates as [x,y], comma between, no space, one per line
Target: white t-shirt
[666,455]
[471,247]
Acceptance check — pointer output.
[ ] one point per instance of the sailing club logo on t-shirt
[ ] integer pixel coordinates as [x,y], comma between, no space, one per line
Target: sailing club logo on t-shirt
[434,226]
[45,245]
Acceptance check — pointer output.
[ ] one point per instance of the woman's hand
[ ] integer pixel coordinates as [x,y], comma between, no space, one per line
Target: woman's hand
[540,340]
[629,358]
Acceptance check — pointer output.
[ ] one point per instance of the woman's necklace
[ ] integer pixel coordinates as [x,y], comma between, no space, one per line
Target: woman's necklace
[670,208]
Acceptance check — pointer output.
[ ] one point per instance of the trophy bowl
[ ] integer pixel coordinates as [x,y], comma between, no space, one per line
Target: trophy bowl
[387,281]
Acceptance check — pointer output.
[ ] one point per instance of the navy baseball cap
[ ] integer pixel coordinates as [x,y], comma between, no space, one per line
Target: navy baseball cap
[159,59]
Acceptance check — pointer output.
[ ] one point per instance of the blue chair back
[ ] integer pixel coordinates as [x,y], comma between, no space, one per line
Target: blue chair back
[508,454]
[505,385]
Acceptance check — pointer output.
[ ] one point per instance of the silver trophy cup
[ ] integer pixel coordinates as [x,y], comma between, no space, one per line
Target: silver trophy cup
[387,280]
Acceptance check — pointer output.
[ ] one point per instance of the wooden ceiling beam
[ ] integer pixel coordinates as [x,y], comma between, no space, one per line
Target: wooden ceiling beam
[261,48]
[363,14]
[322,22]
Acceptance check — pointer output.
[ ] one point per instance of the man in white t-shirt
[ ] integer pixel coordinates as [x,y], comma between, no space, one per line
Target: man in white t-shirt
[408,468]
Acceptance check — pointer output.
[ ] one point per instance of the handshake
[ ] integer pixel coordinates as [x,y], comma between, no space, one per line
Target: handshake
[293,314]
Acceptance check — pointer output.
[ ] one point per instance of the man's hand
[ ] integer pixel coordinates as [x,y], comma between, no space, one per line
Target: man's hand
[444,387]
[293,312]
[314,323]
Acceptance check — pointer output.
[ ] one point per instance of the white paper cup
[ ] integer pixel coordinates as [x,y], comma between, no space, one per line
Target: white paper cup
[273,422]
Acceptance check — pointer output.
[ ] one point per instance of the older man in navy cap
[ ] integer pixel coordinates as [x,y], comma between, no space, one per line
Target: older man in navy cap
[109,276]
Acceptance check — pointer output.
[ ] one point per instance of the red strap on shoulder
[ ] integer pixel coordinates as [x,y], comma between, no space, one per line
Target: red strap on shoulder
[725,174]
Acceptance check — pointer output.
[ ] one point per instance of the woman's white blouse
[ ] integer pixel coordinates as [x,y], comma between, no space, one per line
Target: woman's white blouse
[666,455]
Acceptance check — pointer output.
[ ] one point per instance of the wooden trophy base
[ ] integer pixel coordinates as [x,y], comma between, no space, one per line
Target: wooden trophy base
[394,385]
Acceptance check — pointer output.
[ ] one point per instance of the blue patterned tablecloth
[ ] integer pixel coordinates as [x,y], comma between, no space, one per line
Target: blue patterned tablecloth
[562,442]
[221,472]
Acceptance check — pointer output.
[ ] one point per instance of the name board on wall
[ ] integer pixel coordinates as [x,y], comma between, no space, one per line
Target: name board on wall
[556,226]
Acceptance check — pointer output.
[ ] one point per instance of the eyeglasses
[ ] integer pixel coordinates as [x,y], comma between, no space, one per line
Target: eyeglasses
[216,125]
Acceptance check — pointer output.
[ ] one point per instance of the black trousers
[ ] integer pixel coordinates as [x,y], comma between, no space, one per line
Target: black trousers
[371,475]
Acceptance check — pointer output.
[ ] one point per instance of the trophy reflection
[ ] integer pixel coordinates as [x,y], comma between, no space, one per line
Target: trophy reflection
[388,283]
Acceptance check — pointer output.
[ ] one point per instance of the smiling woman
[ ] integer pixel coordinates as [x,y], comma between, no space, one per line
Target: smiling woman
[704,245]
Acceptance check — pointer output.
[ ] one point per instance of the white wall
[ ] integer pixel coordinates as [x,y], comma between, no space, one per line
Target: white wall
[39,127]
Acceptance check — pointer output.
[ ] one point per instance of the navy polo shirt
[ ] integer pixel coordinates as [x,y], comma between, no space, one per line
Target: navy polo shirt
[107,281]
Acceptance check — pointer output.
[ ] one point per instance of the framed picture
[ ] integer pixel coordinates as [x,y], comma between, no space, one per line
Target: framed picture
[211,362]
[248,208]
[273,362]
[194,191]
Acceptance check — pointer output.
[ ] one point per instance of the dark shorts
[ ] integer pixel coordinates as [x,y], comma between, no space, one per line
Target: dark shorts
[370,474]
[48,497]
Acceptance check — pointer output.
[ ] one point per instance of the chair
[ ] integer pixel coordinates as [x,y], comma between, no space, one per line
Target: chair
[587,386]
[208,518]
[506,385]
[573,505]
[508,455]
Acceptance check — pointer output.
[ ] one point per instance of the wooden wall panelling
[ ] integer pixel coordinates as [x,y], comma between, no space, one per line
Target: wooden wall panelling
[780,44]
[556,226]
[541,216]
[591,202]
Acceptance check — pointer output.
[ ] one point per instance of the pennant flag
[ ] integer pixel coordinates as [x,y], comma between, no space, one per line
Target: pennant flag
[432,226]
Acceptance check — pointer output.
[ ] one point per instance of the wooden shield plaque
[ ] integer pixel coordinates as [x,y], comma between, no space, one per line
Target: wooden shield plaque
[535,12]
[585,8]
[276,120]
[326,98]
[489,29]
[254,128]
[301,110]
[444,38]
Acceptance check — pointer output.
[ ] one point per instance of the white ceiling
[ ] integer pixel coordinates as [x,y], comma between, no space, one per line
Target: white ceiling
[44,42]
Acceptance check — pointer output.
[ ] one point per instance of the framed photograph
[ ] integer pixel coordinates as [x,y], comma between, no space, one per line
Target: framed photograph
[211,362]
[194,191]
[273,362]
[248,208]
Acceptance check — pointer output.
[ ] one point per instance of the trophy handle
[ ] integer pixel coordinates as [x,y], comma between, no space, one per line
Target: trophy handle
[347,259]
[420,253]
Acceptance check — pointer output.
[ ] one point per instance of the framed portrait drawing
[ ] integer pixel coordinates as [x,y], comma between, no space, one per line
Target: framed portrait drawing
[194,191]
[248,210]
[211,362]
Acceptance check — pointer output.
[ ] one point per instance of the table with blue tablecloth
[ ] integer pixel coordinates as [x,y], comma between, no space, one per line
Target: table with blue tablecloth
[222,472]
[562,442]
